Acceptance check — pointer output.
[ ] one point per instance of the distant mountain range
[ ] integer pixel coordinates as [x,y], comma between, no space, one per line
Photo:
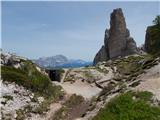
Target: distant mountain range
[60,61]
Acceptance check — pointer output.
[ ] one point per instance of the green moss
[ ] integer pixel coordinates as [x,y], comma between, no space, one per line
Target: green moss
[124,107]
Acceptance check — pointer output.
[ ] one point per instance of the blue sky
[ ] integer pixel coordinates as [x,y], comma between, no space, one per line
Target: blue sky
[74,29]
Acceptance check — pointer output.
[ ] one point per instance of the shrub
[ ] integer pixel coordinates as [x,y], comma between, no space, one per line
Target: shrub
[124,107]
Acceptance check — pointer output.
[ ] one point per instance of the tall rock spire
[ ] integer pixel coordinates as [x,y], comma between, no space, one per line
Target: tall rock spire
[117,41]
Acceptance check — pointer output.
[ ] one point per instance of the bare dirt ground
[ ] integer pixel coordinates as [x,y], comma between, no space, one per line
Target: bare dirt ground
[80,88]
[151,81]
[78,110]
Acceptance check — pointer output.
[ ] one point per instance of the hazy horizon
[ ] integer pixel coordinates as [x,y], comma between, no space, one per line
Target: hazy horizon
[73,29]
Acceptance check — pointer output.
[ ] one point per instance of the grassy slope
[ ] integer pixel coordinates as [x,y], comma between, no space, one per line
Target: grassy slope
[29,77]
[124,107]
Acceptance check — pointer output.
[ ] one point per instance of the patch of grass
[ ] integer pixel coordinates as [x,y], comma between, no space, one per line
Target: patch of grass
[101,70]
[73,101]
[124,107]
[43,107]
[60,114]
[145,95]
[89,76]
[132,66]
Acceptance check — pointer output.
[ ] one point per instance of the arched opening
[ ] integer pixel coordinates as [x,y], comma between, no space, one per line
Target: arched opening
[54,75]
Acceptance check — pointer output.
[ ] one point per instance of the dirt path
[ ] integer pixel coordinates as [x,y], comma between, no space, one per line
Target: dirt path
[80,88]
[53,108]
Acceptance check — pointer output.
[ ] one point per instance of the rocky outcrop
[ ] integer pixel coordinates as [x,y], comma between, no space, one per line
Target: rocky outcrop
[117,40]
[152,40]
[101,55]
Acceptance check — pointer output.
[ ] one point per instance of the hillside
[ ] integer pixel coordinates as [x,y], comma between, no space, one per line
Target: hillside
[25,88]
[86,89]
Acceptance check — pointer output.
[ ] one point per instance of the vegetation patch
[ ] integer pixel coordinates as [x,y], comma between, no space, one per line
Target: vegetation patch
[130,106]
[88,76]
[63,112]
[130,67]
[29,77]
[101,70]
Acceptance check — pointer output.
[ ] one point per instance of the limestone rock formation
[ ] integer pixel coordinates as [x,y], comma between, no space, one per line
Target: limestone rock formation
[152,40]
[117,40]
[101,55]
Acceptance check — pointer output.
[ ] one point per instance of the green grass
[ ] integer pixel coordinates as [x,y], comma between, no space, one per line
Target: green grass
[29,77]
[124,107]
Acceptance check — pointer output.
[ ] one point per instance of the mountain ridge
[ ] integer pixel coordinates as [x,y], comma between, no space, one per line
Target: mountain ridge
[60,61]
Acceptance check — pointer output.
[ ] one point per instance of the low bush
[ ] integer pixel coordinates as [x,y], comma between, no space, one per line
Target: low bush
[124,107]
